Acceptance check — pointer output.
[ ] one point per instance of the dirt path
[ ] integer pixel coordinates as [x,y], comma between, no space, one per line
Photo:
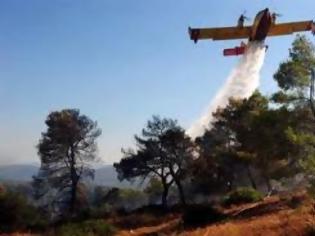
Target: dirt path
[162,229]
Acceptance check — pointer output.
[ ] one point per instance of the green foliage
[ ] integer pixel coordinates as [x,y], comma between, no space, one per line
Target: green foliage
[113,199]
[282,97]
[131,198]
[199,215]
[305,143]
[294,78]
[86,228]
[242,195]
[294,74]
[18,214]
[100,211]
[154,190]
[246,135]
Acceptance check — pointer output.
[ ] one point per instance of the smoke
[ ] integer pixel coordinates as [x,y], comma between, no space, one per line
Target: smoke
[241,83]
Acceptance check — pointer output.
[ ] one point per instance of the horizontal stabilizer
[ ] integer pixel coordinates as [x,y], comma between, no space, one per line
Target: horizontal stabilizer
[234,51]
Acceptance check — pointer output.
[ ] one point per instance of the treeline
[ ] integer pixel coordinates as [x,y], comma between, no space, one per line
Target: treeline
[253,143]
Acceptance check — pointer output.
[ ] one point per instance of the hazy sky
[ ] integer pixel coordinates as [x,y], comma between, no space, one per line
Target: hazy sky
[119,62]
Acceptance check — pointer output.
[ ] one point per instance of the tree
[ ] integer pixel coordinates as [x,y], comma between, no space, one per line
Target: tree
[179,150]
[237,119]
[294,75]
[66,150]
[247,136]
[270,145]
[215,167]
[226,144]
[295,78]
[163,151]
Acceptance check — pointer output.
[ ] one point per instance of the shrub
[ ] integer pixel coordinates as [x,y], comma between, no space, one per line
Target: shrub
[102,211]
[137,220]
[18,214]
[199,215]
[86,228]
[296,200]
[242,195]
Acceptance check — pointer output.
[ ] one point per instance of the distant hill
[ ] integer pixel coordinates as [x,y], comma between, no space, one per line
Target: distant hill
[17,172]
[105,175]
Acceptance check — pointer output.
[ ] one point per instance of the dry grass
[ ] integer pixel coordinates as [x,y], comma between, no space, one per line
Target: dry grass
[285,222]
[272,217]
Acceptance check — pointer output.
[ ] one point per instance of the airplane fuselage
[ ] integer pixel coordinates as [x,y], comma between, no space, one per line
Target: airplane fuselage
[261,25]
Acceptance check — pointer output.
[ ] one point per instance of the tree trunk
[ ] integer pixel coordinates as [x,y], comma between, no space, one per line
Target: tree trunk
[312,105]
[74,183]
[251,178]
[164,195]
[230,184]
[178,183]
[73,197]
[180,192]
[268,184]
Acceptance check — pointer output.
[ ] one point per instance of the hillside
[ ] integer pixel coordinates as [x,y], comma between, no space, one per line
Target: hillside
[284,215]
[274,216]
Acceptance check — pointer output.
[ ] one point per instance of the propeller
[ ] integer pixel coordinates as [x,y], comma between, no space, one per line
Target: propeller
[244,16]
[277,14]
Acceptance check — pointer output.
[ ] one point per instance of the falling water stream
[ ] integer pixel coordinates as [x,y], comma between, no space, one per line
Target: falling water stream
[241,83]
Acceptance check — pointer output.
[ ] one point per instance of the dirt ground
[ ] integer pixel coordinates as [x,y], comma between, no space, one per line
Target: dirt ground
[273,216]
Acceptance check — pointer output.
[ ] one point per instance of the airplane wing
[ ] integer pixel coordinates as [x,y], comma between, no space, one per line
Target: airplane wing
[290,28]
[223,33]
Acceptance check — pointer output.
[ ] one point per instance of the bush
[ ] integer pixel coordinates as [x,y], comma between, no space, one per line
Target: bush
[199,215]
[137,220]
[86,228]
[242,195]
[103,211]
[18,214]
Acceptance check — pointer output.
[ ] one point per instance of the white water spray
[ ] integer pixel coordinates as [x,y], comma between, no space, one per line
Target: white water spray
[241,83]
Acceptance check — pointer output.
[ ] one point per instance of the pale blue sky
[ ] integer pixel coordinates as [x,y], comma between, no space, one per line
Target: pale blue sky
[119,62]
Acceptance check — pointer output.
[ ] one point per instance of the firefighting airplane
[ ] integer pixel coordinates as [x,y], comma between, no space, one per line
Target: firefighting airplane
[264,25]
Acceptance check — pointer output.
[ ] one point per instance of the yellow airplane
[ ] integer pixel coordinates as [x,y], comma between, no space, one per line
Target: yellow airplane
[264,25]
